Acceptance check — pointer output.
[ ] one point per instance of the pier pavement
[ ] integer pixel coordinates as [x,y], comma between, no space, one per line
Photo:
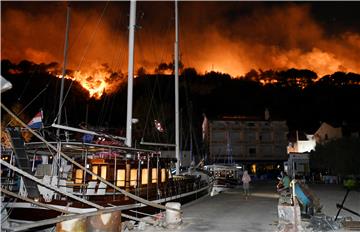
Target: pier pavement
[231,211]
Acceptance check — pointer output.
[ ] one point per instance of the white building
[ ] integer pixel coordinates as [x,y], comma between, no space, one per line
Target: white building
[302,145]
[307,142]
[326,132]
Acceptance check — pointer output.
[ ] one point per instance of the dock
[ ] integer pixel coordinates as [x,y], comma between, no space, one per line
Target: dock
[231,211]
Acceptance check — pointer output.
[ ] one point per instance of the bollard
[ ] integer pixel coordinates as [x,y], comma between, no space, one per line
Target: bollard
[173,217]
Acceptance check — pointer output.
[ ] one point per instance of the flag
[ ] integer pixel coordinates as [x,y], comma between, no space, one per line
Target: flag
[205,127]
[36,122]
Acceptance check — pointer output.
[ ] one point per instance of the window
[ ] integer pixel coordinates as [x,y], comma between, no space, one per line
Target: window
[120,178]
[103,171]
[265,136]
[154,175]
[163,175]
[94,169]
[251,136]
[144,176]
[250,124]
[79,176]
[252,151]
[133,177]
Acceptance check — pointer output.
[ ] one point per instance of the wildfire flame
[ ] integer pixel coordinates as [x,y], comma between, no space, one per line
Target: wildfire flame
[250,41]
[97,81]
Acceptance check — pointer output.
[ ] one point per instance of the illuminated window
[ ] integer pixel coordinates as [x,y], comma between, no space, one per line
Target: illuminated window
[94,169]
[103,171]
[163,175]
[79,176]
[144,176]
[154,175]
[253,168]
[133,177]
[120,178]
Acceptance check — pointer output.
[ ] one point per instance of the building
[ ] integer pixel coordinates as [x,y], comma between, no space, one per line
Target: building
[297,165]
[326,132]
[301,142]
[253,141]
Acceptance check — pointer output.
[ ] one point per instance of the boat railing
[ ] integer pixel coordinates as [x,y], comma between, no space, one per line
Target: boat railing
[10,184]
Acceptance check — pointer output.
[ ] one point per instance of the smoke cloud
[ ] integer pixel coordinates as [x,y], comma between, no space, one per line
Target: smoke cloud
[232,37]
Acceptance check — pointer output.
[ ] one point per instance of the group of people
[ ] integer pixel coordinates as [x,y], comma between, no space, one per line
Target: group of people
[283,184]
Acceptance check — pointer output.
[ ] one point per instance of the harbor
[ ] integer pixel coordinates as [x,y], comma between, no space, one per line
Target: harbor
[231,211]
[180,116]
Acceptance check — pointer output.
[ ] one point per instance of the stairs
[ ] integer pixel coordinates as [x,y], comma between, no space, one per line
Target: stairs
[23,161]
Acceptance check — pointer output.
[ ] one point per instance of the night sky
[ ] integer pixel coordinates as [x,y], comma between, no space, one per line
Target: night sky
[230,37]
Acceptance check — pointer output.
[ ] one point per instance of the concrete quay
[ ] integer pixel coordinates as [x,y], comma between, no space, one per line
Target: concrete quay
[231,211]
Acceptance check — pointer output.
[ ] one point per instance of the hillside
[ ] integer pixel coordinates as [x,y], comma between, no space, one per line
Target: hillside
[298,96]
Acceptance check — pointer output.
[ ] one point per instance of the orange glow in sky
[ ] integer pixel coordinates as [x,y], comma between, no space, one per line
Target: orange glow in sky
[279,37]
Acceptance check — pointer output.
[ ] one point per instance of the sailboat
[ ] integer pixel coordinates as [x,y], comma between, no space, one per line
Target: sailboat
[84,177]
[227,175]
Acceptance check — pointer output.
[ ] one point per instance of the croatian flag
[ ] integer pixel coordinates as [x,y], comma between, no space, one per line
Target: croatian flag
[36,122]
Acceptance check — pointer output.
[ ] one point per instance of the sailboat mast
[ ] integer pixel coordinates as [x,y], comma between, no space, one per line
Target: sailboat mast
[64,67]
[176,61]
[132,22]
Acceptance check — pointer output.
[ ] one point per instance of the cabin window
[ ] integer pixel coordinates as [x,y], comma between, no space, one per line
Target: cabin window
[79,176]
[223,173]
[103,171]
[94,169]
[120,177]
[163,175]
[154,175]
[144,176]
[133,177]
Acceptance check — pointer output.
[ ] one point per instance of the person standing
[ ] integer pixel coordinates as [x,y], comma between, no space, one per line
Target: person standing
[246,183]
